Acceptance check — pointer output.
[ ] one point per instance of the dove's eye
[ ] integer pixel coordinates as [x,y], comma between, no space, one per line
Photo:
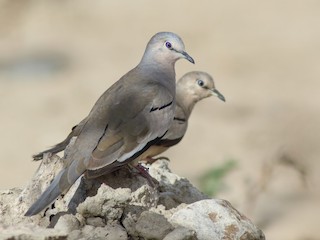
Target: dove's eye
[168,45]
[200,82]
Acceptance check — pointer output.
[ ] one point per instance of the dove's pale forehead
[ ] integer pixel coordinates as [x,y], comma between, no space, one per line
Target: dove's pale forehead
[204,75]
[196,75]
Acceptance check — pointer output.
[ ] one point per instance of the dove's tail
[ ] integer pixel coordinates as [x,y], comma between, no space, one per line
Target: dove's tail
[61,183]
[56,148]
[47,197]
[75,131]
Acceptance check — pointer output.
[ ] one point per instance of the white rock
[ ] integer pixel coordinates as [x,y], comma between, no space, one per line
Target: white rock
[216,219]
[67,223]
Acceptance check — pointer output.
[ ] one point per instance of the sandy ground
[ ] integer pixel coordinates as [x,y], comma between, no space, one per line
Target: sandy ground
[56,58]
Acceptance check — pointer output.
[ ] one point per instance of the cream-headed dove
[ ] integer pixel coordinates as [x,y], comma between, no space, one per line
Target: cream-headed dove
[191,88]
[133,114]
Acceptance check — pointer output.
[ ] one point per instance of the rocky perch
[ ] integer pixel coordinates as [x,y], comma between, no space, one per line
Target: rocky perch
[122,206]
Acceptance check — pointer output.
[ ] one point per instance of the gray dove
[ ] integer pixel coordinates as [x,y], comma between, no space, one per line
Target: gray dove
[191,88]
[129,117]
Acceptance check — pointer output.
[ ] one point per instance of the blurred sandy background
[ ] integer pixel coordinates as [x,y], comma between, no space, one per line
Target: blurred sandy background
[57,57]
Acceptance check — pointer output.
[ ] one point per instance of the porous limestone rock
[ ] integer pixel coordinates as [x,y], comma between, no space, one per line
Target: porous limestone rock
[215,219]
[121,205]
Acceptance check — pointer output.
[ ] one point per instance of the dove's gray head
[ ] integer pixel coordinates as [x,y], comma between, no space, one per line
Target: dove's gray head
[165,47]
[197,85]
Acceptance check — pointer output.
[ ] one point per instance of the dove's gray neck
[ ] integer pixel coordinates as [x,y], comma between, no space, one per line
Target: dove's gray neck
[160,62]
[159,71]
